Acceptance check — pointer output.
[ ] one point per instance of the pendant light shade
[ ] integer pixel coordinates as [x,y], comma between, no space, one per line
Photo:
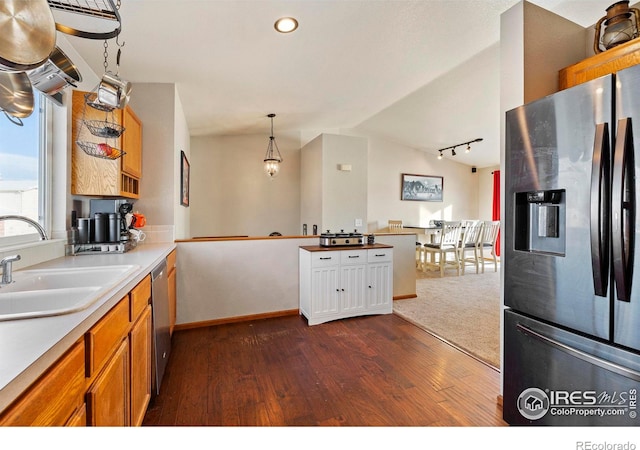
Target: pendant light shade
[272,158]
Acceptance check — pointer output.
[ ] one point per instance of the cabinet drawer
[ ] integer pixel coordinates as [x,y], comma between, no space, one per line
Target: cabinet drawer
[379,255]
[140,296]
[353,257]
[106,335]
[324,259]
[54,398]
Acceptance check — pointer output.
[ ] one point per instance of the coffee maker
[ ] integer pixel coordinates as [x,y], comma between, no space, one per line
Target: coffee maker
[105,230]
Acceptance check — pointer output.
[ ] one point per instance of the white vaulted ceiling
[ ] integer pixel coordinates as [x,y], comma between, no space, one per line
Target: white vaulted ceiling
[369,63]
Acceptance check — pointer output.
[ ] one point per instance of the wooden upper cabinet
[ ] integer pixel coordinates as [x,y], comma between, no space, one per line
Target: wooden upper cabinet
[131,143]
[605,63]
[91,175]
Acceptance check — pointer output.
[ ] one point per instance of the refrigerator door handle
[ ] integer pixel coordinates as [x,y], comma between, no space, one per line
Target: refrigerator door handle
[603,363]
[600,220]
[623,210]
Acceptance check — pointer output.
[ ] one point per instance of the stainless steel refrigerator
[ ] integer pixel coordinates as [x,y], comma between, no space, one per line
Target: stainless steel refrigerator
[572,258]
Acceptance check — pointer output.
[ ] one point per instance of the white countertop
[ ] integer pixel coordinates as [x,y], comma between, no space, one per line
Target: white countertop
[29,346]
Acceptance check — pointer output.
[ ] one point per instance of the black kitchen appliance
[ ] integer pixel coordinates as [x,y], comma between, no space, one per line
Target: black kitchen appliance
[330,239]
[571,237]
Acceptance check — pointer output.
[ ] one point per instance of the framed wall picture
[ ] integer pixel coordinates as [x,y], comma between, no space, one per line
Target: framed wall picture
[185,169]
[422,188]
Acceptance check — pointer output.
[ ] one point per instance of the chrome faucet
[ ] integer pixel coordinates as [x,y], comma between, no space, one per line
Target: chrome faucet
[7,267]
[33,223]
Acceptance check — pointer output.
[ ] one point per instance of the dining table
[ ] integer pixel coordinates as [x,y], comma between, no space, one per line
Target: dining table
[424,234]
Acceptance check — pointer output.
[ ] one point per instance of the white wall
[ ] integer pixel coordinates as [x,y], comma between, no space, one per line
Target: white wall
[181,214]
[344,192]
[231,194]
[311,185]
[387,163]
[545,52]
[332,196]
[234,278]
[239,278]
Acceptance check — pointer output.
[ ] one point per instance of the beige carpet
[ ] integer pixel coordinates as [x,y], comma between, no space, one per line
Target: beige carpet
[464,310]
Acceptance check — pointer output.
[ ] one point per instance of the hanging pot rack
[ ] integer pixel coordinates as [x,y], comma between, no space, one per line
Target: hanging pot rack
[105,12]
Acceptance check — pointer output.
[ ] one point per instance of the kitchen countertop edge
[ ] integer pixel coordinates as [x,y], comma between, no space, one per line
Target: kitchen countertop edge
[56,340]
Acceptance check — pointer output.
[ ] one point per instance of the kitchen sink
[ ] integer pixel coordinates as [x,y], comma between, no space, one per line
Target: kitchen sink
[43,303]
[50,292]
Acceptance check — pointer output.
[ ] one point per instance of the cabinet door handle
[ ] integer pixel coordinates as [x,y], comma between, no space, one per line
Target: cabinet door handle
[382,254]
[329,257]
[354,256]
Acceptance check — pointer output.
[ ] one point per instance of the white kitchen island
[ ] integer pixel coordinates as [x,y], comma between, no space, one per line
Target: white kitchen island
[341,282]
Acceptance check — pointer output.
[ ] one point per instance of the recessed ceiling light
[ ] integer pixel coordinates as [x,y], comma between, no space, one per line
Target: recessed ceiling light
[286,24]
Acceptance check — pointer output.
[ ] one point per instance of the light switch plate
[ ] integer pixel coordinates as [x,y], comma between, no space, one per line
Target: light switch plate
[358,222]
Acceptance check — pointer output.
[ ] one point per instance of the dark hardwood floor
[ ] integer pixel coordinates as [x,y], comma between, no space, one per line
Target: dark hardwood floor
[366,371]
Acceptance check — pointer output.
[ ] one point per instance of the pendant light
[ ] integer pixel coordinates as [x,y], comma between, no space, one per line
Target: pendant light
[273,158]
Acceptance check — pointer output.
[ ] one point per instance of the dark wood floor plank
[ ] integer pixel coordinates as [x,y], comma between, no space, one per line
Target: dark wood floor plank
[366,371]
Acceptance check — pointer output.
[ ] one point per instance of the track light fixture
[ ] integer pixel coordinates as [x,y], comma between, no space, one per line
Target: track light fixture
[453,147]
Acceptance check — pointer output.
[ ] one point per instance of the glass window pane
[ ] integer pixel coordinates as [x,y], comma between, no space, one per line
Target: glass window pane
[20,159]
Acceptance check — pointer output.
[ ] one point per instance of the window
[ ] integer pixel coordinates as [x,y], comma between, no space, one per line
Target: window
[23,172]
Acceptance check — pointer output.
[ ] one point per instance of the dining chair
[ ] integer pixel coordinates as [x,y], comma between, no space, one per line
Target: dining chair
[468,222]
[470,244]
[435,255]
[395,225]
[489,238]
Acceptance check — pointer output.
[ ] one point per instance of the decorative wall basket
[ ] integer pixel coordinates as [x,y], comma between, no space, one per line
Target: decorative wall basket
[100,150]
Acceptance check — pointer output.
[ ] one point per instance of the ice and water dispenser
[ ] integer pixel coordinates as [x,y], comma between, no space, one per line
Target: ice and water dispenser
[540,222]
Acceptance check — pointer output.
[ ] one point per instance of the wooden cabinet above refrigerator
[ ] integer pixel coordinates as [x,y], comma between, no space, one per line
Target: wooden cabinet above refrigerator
[605,63]
[93,175]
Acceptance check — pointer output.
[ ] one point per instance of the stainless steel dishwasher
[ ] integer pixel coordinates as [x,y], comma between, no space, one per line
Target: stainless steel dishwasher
[161,334]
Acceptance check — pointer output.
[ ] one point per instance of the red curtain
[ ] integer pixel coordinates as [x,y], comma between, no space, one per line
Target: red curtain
[495,213]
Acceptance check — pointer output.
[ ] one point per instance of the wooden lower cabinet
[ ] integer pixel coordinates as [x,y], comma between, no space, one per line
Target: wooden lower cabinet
[102,380]
[108,396]
[140,345]
[79,417]
[171,278]
[55,398]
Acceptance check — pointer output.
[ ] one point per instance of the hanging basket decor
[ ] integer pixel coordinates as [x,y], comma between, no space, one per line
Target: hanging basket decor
[100,150]
[91,99]
[104,128]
